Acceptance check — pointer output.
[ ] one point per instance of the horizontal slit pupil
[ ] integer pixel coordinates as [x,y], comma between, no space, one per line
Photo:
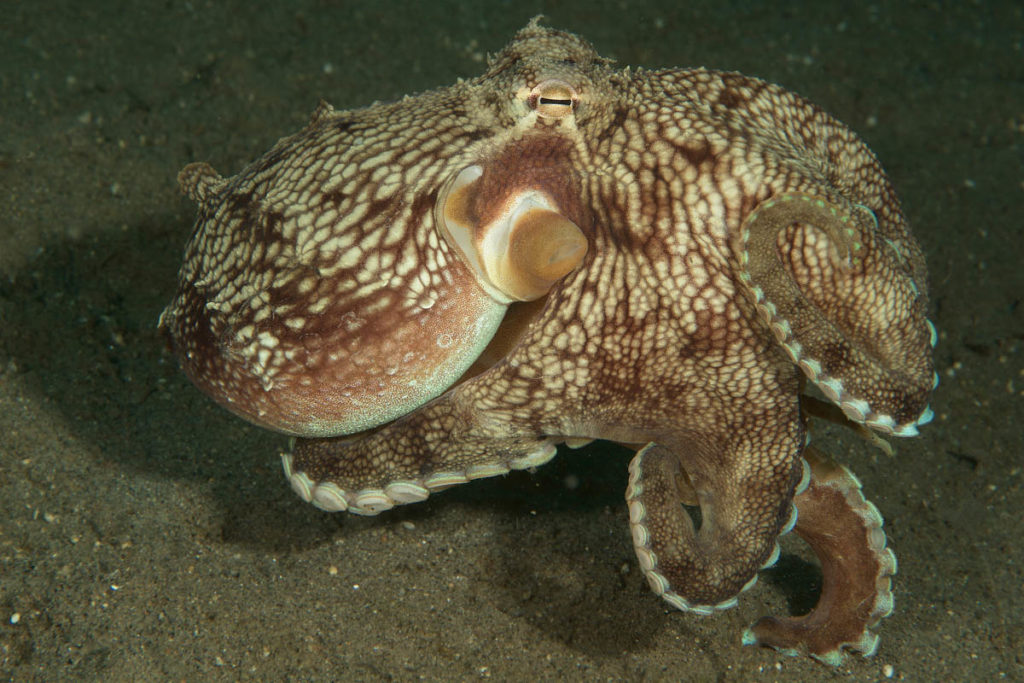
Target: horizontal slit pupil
[548,100]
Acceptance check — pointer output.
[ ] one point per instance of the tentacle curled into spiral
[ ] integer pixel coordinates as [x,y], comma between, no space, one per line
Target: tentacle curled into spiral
[703,566]
[840,301]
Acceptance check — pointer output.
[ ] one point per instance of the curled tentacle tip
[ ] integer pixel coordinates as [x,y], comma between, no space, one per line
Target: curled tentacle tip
[750,638]
[833,658]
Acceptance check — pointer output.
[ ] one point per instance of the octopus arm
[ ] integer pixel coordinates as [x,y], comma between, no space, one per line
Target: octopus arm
[844,304]
[446,442]
[744,507]
[845,532]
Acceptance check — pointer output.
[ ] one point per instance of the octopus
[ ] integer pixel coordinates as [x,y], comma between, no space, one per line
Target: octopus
[692,263]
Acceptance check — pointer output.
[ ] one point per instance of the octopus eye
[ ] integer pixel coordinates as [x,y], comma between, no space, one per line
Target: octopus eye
[521,247]
[553,99]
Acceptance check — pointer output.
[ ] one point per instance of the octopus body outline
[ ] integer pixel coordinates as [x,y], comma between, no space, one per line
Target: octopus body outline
[447,287]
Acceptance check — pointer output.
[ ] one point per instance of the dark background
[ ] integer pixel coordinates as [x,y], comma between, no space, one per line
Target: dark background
[145,533]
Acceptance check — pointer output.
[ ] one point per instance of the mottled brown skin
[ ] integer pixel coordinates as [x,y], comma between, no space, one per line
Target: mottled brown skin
[739,242]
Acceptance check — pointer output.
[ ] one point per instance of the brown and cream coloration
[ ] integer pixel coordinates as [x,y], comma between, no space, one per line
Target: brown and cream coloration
[446,287]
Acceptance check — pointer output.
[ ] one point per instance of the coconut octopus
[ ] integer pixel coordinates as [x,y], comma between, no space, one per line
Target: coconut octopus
[449,286]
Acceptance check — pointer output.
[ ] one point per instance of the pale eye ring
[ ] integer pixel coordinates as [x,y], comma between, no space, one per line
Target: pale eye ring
[554,99]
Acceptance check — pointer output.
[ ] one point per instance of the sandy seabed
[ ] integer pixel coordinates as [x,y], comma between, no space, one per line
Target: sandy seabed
[146,534]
